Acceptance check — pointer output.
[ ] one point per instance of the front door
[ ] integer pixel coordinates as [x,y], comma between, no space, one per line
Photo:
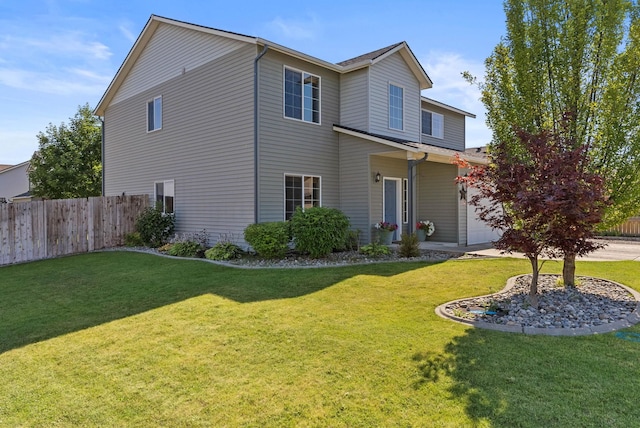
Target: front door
[391,202]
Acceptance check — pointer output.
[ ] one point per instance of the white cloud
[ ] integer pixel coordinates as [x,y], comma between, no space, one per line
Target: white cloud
[449,87]
[296,29]
[70,44]
[52,84]
[127,32]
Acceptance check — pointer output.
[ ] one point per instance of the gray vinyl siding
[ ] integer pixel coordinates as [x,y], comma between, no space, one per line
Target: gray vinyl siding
[394,70]
[354,99]
[288,146]
[14,181]
[205,145]
[438,199]
[454,129]
[172,50]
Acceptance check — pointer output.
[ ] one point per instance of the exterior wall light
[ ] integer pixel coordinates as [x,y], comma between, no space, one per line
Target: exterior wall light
[378,177]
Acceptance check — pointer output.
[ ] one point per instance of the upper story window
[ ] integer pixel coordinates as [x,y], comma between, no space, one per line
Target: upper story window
[300,191]
[164,193]
[432,124]
[154,114]
[301,95]
[396,107]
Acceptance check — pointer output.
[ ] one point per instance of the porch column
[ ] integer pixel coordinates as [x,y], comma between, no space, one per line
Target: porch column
[412,164]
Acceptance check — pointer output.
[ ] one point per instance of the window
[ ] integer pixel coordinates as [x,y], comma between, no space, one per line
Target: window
[396,107]
[432,124]
[301,96]
[300,191]
[154,114]
[164,194]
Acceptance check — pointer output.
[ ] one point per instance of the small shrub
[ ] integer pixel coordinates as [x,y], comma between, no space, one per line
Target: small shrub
[352,242]
[165,248]
[375,250]
[409,246]
[186,249]
[223,250]
[269,240]
[155,227]
[133,240]
[319,230]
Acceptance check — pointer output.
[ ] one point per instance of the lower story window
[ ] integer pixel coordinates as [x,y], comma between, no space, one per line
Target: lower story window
[164,195]
[300,191]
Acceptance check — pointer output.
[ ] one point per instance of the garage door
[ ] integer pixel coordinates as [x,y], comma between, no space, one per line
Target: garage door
[477,231]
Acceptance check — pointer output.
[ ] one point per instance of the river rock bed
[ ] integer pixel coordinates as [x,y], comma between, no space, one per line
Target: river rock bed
[592,303]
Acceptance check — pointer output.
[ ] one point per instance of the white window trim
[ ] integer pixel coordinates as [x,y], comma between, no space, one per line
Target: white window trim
[319,122]
[166,183]
[153,100]
[389,105]
[405,200]
[284,190]
[440,137]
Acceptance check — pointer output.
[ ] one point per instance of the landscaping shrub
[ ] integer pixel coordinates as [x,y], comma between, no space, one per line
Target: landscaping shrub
[133,240]
[375,250]
[223,250]
[319,230]
[409,246]
[352,242]
[189,244]
[270,240]
[155,227]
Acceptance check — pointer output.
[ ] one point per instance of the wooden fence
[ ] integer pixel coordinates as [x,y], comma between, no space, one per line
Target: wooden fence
[42,229]
[631,227]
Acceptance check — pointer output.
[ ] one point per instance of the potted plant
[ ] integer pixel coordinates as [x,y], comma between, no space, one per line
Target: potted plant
[385,231]
[424,229]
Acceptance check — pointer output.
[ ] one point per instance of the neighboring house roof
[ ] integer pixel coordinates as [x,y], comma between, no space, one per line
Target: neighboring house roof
[356,63]
[12,167]
[477,151]
[437,154]
[447,107]
[5,167]
[24,195]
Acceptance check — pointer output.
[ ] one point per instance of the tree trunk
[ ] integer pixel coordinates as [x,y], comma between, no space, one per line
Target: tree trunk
[569,270]
[533,288]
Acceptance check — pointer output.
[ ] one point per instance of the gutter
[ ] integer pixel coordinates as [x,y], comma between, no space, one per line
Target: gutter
[256,181]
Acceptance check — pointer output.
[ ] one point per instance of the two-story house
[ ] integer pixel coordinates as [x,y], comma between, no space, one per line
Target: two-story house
[225,130]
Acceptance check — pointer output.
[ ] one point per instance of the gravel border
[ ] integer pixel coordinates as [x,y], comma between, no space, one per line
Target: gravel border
[630,320]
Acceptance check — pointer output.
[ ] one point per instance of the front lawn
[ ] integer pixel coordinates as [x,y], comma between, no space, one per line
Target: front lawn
[129,339]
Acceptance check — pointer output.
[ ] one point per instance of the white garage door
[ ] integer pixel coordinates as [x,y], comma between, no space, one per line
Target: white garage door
[477,231]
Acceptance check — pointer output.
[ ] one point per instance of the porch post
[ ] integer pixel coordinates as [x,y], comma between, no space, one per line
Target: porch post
[412,164]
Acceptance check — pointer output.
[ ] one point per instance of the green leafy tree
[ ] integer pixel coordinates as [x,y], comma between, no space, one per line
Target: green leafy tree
[580,57]
[68,163]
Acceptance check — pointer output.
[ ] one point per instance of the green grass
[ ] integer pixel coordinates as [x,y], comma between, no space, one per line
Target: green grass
[128,339]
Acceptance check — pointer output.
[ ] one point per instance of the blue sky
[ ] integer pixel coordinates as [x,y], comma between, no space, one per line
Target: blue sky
[58,54]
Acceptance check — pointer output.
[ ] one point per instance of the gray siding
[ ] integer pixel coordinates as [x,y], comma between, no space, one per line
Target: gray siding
[288,146]
[394,70]
[438,200]
[454,129]
[354,99]
[14,181]
[205,145]
[171,51]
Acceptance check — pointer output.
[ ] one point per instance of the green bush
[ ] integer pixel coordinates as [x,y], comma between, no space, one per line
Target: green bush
[269,240]
[155,227]
[409,246]
[352,242]
[223,250]
[186,249]
[318,231]
[133,240]
[375,250]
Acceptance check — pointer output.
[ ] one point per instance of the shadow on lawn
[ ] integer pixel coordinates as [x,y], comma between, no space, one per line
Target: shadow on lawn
[45,299]
[508,380]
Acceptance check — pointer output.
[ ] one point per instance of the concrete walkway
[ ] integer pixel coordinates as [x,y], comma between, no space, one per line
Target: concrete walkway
[615,250]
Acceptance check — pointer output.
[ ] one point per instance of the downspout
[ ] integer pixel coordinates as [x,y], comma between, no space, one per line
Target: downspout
[410,173]
[102,151]
[256,181]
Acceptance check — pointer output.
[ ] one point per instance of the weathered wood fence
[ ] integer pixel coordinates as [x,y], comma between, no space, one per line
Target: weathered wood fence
[631,227]
[42,229]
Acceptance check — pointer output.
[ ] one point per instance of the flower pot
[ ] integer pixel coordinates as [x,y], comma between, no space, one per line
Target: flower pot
[422,235]
[385,237]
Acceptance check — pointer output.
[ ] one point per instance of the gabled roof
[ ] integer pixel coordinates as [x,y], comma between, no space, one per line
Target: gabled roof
[12,167]
[346,66]
[447,107]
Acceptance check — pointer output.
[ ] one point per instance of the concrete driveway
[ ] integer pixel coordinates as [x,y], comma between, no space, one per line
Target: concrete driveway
[615,250]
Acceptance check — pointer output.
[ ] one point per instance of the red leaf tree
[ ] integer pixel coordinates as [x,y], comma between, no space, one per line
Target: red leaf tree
[542,198]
